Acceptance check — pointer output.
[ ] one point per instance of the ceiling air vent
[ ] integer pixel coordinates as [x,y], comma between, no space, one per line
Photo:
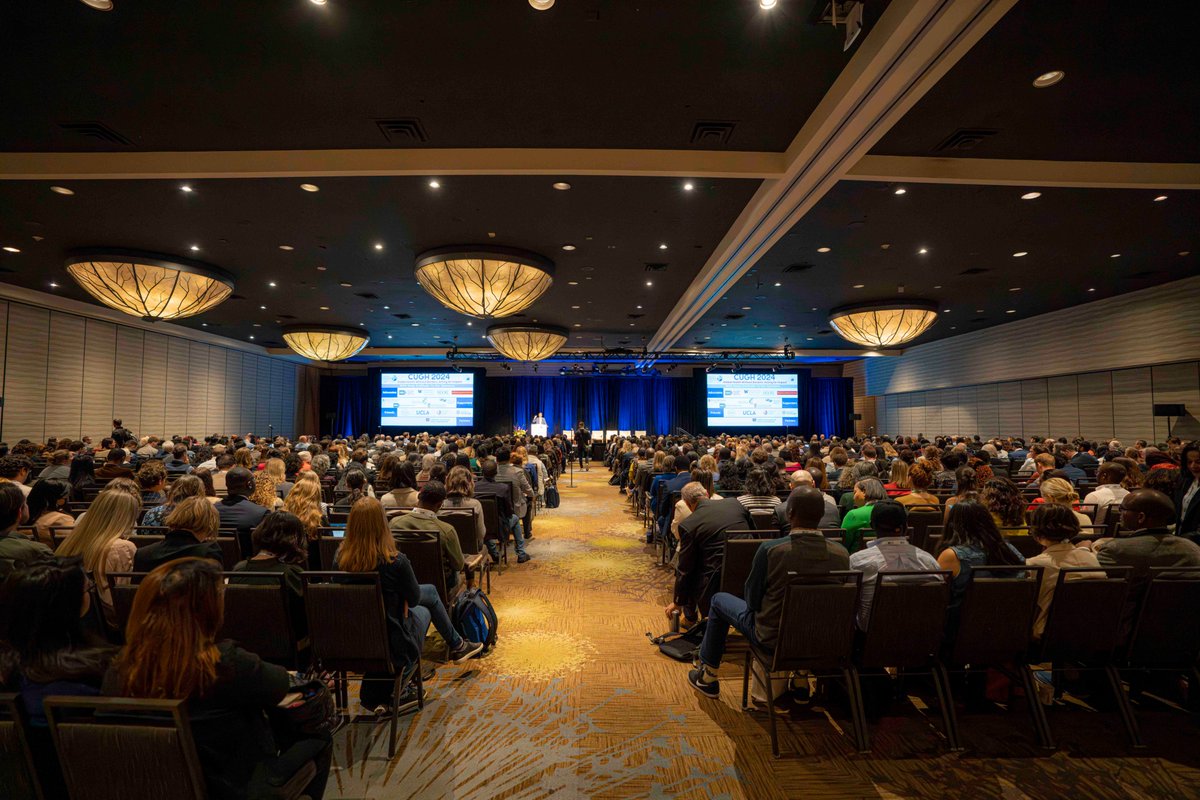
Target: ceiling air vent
[734,316]
[655,267]
[801,267]
[403,130]
[94,130]
[367,295]
[636,316]
[710,132]
[974,271]
[237,297]
[824,332]
[287,316]
[965,139]
[979,319]
[402,316]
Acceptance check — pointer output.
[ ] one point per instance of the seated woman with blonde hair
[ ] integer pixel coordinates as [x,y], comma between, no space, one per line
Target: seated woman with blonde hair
[191,532]
[1059,491]
[102,540]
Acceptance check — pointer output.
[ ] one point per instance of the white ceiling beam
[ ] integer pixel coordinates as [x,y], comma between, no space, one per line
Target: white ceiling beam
[366,163]
[913,44]
[1020,172]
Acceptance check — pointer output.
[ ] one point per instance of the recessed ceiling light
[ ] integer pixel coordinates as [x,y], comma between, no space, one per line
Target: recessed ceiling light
[61,190]
[938,286]
[823,249]
[808,338]
[1049,78]
[345,285]
[194,248]
[884,246]
[310,187]
[203,324]
[324,308]
[99,5]
[689,186]
[1184,253]
[572,283]
[10,249]
[859,285]
[979,311]
[631,324]
[767,4]
[258,325]
[252,336]
[778,284]
[286,247]
[1011,311]
[639,306]
[318,2]
[575,307]
[1031,195]
[264,308]
[1015,289]
[271,284]
[435,184]
[1160,198]
[379,245]
[782,325]
[745,308]
[321,268]
[389,336]
[53,285]
[1115,255]
[416,324]
[1092,289]
[568,247]
[562,186]
[469,324]
[649,283]
[945,311]
[185,188]
[578,325]
[662,246]
[1020,254]
[923,251]
[901,190]
[541,5]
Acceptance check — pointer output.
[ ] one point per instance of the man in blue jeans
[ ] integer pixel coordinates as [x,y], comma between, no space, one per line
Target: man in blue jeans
[805,551]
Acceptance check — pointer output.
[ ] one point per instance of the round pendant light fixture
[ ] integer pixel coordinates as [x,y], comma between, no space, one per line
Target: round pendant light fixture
[883,324]
[527,342]
[150,285]
[484,282]
[325,342]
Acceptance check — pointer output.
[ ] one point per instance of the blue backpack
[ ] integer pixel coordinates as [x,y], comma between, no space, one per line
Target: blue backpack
[474,618]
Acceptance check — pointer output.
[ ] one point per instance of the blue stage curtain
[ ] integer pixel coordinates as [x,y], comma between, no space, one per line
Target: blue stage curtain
[353,408]
[830,404]
[655,404]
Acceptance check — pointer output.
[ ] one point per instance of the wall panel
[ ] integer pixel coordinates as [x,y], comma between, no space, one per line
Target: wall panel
[1035,410]
[1175,383]
[25,373]
[64,375]
[1008,400]
[99,367]
[262,404]
[1063,396]
[215,419]
[290,378]
[1132,404]
[233,392]
[1095,405]
[179,385]
[126,378]
[987,401]
[967,417]
[250,392]
[154,385]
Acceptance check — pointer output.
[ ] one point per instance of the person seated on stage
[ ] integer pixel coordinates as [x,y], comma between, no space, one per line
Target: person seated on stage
[702,549]
[422,525]
[805,551]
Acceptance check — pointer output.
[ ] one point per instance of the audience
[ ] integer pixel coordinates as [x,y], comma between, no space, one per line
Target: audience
[867,492]
[920,477]
[236,509]
[183,488]
[702,550]
[16,548]
[1054,526]
[191,533]
[889,552]
[1187,495]
[101,539]
[47,507]
[971,541]
[421,524]
[1146,540]
[460,499]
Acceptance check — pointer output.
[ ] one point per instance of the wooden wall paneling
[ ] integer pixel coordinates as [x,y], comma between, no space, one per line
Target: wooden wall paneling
[197,395]
[968,416]
[250,392]
[987,403]
[1132,400]
[178,398]
[262,404]
[1062,392]
[1175,383]
[1008,408]
[217,407]
[65,376]
[127,381]
[290,376]
[233,392]
[99,369]
[25,377]
[1095,405]
[1035,408]
[277,393]
[153,384]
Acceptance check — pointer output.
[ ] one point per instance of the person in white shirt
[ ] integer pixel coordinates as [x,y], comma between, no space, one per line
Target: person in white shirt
[1109,492]
[211,464]
[890,552]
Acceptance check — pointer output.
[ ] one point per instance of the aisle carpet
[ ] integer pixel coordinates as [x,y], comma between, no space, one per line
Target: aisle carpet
[575,703]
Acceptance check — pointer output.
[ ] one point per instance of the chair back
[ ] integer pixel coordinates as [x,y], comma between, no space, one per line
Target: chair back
[764,520]
[231,552]
[1167,633]
[463,522]
[491,518]
[907,619]
[122,595]
[327,547]
[258,616]
[18,775]
[996,615]
[816,626]
[1084,623]
[933,539]
[145,540]
[740,548]
[332,598]
[1026,545]
[920,519]
[114,748]
[426,560]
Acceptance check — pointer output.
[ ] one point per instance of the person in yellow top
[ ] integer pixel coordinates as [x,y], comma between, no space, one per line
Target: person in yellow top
[920,477]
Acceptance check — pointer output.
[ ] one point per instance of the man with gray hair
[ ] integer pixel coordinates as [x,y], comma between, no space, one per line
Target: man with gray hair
[702,549]
[832,518]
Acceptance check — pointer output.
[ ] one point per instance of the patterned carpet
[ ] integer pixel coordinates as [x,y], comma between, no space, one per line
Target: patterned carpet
[575,703]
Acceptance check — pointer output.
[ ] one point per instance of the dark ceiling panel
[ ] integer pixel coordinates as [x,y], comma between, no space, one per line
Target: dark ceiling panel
[616,224]
[1130,91]
[287,74]
[971,233]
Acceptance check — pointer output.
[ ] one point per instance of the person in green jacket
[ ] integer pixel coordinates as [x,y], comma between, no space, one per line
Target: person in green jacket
[867,492]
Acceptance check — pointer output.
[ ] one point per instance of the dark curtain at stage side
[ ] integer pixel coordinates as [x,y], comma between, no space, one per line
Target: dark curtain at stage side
[346,404]
[655,404]
[830,404]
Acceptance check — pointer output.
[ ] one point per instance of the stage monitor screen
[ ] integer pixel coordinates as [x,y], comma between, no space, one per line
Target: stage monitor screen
[427,401]
[752,400]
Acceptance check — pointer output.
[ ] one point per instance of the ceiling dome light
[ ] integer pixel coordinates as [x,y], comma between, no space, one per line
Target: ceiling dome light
[541,5]
[562,186]
[310,187]
[99,5]
[61,190]
[527,342]
[1049,78]
[1160,198]
[883,324]
[1020,254]
[901,190]
[325,342]
[484,282]
[767,4]
[1031,195]
[149,285]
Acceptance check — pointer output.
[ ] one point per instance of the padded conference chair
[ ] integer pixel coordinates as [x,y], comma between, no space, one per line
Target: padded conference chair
[816,633]
[258,616]
[18,775]
[1163,638]
[474,558]
[116,748]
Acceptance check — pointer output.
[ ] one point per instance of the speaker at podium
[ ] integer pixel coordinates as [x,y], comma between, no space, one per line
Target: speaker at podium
[538,429]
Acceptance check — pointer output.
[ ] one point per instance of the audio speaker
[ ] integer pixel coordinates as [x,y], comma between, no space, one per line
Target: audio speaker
[1169,409]
[856,417]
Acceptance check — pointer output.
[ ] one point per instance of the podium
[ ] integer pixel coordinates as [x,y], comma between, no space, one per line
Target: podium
[538,429]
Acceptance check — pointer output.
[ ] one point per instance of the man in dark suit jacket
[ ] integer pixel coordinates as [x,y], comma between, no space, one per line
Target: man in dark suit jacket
[1080,459]
[236,508]
[702,548]
[503,491]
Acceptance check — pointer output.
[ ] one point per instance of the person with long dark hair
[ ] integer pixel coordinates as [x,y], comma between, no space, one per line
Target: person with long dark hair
[171,653]
[82,476]
[47,507]
[1005,502]
[972,541]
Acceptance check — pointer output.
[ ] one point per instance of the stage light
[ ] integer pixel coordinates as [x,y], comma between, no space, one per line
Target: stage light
[484,282]
[149,285]
[325,342]
[884,324]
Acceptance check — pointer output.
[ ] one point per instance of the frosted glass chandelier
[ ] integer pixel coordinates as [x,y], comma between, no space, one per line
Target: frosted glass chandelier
[527,342]
[484,282]
[149,285]
[325,342]
[885,324]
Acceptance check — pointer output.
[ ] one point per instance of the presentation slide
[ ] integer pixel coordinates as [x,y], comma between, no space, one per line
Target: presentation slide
[429,401]
[752,400]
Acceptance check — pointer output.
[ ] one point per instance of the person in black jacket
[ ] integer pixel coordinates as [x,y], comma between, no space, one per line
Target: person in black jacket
[1187,493]
[237,510]
[171,652]
[191,533]
[702,548]
[583,441]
